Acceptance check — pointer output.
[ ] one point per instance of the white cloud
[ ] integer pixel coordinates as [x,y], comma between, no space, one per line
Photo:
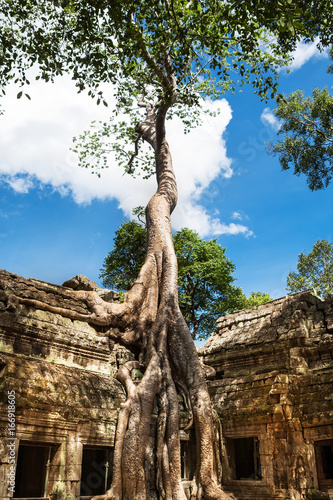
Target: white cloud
[221,228]
[269,119]
[304,52]
[19,184]
[205,223]
[239,216]
[35,137]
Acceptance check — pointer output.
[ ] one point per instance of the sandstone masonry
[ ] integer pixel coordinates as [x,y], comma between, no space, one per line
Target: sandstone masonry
[272,392]
[274,388]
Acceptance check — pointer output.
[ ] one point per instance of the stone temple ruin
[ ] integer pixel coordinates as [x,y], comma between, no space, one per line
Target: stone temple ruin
[273,393]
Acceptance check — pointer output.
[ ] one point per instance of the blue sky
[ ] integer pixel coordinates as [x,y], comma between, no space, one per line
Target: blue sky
[57,220]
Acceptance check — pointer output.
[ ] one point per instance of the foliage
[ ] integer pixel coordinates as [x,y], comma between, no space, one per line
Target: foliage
[314,270]
[122,265]
[330,67]
[256,299]
[205,281]
[163,51]
[205,275]
[307,125]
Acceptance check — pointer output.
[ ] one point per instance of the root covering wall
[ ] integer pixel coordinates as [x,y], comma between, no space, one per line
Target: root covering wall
[272,393]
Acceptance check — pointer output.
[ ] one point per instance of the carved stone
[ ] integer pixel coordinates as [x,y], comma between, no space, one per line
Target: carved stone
[270,380]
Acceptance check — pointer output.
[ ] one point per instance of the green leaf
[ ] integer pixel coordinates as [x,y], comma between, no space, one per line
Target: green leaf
[314,270]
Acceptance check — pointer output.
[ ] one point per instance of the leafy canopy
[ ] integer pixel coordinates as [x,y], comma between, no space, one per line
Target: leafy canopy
[307,130]
[314,270]
[122,265]
[307,126]
[102,41]
[255,299]
[170,52]
[206,287]
[205,282]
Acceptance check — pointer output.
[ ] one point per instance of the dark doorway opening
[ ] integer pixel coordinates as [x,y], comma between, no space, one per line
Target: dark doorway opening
[32,466]
[244,458]
[96,472]
[324,458]
[188,458]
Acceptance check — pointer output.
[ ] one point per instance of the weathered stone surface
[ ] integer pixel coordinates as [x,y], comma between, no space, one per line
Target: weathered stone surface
[63,374]
[273,388]
[274,366]
[81,282]
[70,392]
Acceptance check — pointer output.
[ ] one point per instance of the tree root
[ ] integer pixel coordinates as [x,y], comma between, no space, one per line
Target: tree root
[151,319]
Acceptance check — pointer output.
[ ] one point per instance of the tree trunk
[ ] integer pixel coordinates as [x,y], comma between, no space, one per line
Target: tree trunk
[168,359]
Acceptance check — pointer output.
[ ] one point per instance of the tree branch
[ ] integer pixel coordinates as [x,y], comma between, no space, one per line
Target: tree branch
[194,77]
[152,63]
[319,130]
[136,152]
[171,73]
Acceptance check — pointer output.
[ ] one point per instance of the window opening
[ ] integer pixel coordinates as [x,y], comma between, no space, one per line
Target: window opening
[32,470]
[244,458]
[96,472]
[187,458]
[324,459]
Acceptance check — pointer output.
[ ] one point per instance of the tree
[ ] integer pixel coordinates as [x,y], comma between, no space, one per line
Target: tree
[314,270]
[307,127]
[162,56]
[307,123]
[205,282]
[256,299]
[122,265]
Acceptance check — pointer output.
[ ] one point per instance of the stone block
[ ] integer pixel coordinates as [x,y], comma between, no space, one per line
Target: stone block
[329,322]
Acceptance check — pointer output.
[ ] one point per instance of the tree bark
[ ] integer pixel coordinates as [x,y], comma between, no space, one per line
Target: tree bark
[150,319]
[168,359]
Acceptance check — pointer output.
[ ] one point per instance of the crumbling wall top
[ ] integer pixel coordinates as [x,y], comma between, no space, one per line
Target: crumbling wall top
[302,315]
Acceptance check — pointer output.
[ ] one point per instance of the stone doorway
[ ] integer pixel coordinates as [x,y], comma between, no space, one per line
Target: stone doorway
[96,471]
[188,458]
[324,459]
[244,458]
[32,470]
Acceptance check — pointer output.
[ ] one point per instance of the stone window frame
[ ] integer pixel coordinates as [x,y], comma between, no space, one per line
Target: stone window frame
[315,436]
[232,459]
[39,443]
[97,446]
[323,482]
[187,445]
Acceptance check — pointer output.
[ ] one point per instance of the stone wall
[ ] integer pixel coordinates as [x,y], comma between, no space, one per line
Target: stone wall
[274,384]
[272,393]
[63,374]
